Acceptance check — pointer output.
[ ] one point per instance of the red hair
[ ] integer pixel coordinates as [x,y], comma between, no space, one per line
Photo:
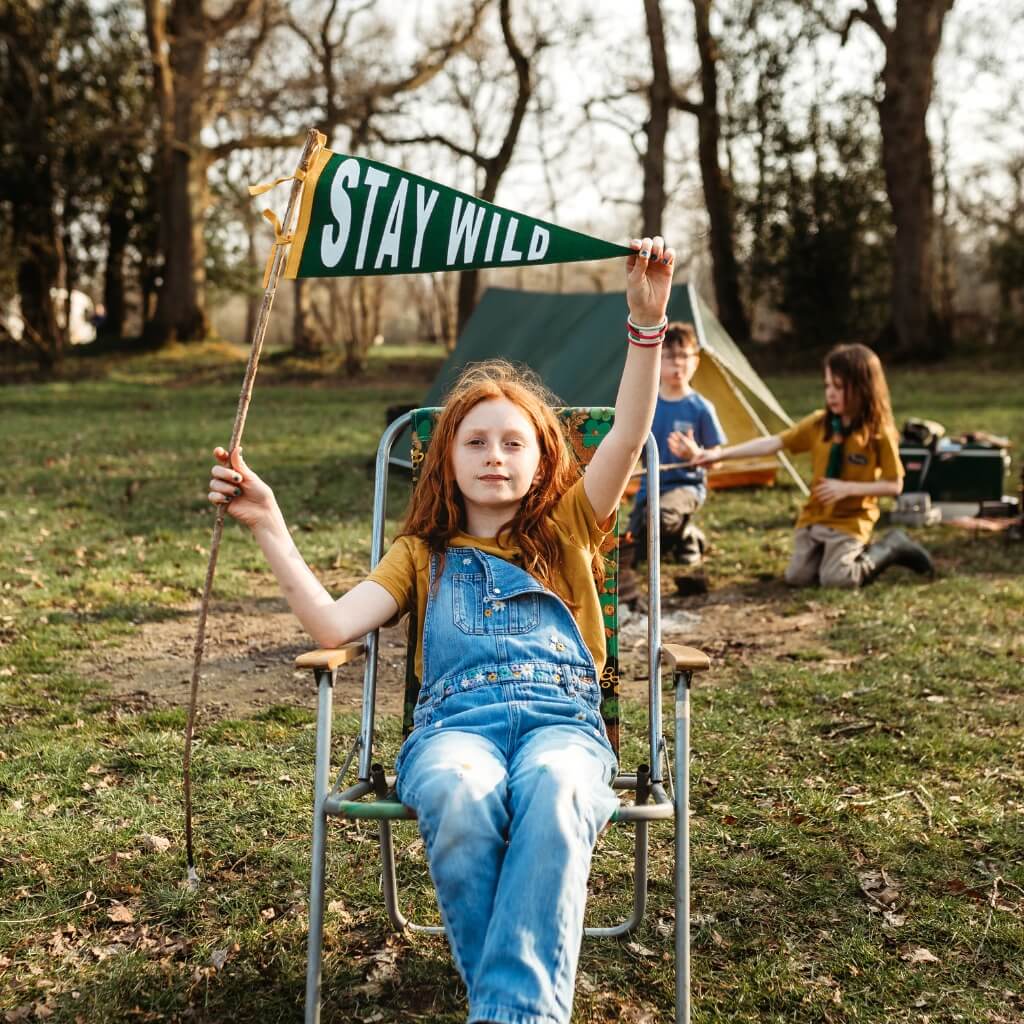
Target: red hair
[436,510]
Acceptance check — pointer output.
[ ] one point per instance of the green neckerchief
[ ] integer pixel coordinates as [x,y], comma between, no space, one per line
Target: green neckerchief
[835,454]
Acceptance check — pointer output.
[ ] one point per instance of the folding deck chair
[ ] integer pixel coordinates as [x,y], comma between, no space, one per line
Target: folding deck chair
[372,796]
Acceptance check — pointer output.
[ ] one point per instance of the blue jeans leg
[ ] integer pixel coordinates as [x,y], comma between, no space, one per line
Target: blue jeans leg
[458,784]
[560,800]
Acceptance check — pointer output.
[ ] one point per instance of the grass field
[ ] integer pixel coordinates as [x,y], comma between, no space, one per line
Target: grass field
[858,809]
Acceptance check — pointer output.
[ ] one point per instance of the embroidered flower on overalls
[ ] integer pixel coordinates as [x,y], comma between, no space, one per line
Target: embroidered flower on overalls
[467,561]
[498,606]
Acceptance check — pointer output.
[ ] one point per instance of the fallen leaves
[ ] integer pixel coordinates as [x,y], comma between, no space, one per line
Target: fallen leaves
[883,892]
[919,955]
[640,950]
[880,888]
[154,844]
[120,914]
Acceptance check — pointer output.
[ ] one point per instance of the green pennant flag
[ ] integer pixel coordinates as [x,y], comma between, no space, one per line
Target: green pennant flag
[361,217]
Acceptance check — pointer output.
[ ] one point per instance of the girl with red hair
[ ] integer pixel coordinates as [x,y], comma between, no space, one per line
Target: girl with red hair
[508,765]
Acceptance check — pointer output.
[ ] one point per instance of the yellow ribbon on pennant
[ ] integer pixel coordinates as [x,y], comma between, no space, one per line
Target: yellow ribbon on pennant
[280,238]
[258,190]
[299,175]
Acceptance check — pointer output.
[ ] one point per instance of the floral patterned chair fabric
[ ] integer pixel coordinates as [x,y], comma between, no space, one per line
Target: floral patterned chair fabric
[584,430]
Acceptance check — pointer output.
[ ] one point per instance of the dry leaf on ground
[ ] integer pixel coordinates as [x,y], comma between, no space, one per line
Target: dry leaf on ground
[920,955]
[120,914]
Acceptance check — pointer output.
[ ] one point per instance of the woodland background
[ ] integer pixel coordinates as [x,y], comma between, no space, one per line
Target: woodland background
[829,171]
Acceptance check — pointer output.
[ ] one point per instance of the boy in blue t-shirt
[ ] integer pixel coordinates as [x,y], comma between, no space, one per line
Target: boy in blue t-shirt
[685,426]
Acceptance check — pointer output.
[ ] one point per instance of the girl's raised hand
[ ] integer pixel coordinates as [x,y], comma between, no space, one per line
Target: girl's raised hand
[649,279]
[234,484]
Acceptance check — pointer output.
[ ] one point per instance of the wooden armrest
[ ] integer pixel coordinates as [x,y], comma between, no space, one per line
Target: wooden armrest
[686,658]
[331,658]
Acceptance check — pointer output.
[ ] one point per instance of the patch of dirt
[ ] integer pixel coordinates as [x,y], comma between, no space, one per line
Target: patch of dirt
[730,626]
[251,646]
[248,663]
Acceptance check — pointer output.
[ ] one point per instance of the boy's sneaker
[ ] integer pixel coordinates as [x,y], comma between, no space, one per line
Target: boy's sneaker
[692,546]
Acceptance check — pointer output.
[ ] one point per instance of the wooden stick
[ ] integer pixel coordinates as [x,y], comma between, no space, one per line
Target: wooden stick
[661,469]
[310,149]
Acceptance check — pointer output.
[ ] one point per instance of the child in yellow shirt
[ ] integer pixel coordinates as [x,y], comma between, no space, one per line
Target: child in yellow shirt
[855,460]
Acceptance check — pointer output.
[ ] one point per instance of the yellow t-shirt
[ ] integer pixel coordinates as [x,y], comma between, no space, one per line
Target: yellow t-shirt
[866,458]
[404,572]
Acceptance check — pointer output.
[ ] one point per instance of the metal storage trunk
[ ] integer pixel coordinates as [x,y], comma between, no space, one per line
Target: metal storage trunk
[965,473]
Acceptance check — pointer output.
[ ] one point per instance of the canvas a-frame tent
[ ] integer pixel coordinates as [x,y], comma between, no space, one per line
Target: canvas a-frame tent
[576,342]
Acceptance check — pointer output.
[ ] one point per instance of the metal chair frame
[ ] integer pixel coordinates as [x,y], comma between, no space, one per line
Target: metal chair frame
[651,803]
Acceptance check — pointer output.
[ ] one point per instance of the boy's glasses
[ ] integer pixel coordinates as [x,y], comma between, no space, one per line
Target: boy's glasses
[678,355]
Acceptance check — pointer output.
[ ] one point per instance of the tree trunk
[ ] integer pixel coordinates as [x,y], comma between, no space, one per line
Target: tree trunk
[469,282]
[307,340]
[717,187]
[659,98]
[364,308]
[179,58]
[38,273]
[118,230]
[252,299]
[446,319]
[29,96]
[40,268]
[909,78]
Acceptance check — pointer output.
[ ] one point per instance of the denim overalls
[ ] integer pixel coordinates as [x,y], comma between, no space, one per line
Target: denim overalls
[508,768]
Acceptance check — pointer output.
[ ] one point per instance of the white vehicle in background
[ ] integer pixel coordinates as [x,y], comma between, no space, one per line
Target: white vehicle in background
[82,315]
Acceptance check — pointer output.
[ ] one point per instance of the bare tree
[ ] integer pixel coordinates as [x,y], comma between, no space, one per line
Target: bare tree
[717,183]
[663,96]
[347,51]
[911,45]
[492,166]
[180,34]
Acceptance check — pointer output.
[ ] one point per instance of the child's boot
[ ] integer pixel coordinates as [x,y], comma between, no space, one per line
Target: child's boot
[895,548]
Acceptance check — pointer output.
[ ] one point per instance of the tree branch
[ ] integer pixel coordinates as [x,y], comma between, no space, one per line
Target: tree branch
[421,140]
[524,90]
[431,65]
[686,105]
[256,141]
[238,12]
[871,16]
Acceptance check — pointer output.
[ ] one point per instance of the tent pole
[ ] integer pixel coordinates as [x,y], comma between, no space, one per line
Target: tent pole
[740,397]
[759,423]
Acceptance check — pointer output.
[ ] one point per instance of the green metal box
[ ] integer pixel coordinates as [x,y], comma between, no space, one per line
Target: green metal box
[962,473]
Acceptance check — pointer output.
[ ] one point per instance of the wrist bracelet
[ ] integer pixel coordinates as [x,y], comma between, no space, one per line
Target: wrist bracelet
[644,342]
[649,331]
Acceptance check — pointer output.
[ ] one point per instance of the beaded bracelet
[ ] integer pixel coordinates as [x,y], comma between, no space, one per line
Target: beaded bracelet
[646,337]
[647,332]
